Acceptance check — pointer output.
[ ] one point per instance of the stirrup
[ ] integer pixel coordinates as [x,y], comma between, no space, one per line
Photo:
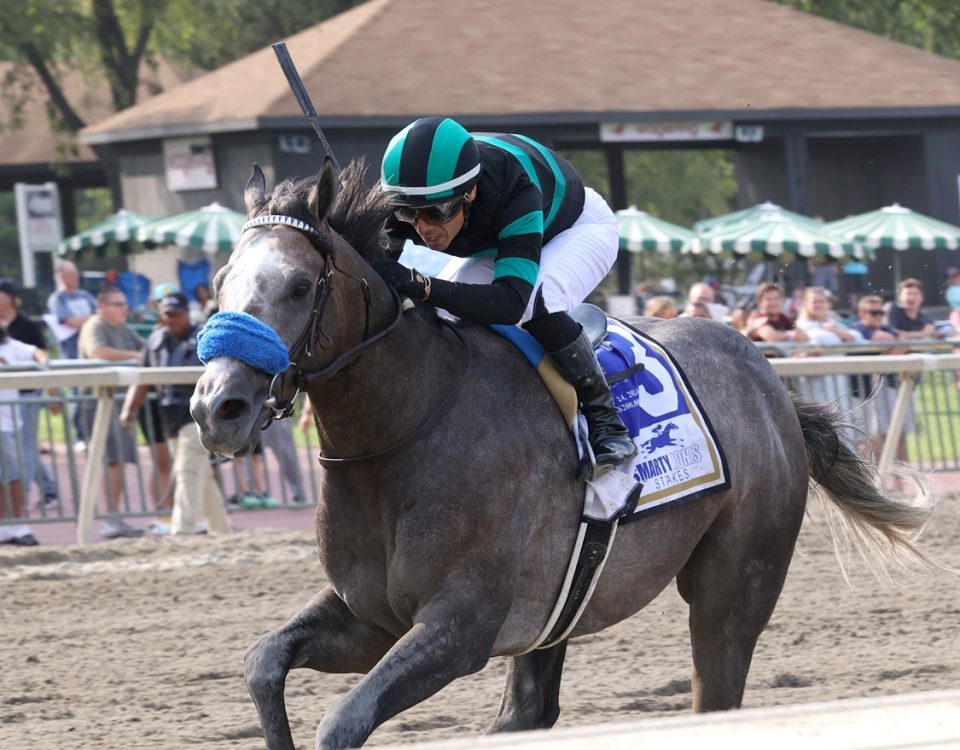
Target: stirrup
[588,468]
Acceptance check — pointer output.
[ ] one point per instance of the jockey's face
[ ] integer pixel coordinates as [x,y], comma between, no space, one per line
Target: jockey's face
[439,236]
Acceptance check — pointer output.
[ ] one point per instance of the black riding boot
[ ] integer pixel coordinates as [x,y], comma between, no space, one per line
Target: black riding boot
[609,439]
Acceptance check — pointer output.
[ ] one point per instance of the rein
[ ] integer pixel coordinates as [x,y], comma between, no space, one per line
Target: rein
[299,379]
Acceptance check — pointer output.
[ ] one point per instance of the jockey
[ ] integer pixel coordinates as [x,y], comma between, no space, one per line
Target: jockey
[529,241]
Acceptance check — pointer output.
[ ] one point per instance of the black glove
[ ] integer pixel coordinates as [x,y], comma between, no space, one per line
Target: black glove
[408,282]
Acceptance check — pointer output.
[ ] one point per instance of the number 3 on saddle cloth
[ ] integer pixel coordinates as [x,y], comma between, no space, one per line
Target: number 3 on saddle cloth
[678,457]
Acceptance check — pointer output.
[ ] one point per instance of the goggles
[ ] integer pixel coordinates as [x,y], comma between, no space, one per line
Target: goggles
[439,213]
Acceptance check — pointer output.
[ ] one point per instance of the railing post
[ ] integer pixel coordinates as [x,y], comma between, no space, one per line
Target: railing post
[904,395]
[93,471]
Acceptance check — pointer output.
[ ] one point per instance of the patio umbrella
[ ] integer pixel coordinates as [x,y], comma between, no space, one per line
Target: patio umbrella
[705,226]
[776,235]
[640,231]
[212,228]
[897,228]
[118,227]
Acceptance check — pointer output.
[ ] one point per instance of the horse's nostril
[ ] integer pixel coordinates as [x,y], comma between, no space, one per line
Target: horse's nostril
[232,408]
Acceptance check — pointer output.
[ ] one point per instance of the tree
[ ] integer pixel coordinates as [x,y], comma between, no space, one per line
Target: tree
[933,25]
[114,40]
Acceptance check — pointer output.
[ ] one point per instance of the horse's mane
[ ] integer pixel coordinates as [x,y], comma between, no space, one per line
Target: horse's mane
[358,213]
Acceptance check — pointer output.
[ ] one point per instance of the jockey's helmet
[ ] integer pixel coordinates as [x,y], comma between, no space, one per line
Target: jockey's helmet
[431,161]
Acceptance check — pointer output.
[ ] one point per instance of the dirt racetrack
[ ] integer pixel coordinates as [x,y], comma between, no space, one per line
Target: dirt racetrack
[139,644]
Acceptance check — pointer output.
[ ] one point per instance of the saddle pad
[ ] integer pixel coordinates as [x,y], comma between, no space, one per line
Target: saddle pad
[678,456]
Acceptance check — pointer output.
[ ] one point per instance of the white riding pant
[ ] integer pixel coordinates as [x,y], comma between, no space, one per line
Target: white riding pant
[572,264]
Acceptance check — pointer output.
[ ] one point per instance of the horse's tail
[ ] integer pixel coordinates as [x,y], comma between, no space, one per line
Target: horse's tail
[861,518]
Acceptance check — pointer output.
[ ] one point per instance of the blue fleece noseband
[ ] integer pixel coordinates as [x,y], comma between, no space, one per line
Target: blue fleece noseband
[238,335]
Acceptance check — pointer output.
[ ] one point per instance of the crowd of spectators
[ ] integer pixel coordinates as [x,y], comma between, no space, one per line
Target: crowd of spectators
[184,491]
[183,487]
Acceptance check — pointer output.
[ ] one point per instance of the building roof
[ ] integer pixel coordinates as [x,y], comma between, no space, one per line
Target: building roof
[398,59]
[35,144]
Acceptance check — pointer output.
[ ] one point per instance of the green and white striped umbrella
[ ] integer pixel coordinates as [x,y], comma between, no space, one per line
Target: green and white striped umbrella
[749,215]
[897,228]
[776,235]
[118,227]
[213,228]
[640,231]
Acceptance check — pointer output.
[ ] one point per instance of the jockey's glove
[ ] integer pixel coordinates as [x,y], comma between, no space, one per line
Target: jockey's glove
[408,282]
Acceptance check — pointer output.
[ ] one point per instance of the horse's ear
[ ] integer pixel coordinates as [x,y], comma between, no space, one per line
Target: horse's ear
[324,191]
[254,194]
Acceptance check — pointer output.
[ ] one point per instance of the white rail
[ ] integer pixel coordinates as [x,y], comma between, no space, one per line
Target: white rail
[105,380]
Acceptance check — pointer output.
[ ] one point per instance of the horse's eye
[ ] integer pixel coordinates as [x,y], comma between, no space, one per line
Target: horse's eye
[301,290]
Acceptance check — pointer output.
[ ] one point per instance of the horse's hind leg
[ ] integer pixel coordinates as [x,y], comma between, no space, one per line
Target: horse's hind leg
[531,696]
[325,636]
[732,586]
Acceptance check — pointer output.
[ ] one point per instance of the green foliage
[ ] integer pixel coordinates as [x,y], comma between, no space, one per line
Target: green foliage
[113,40]
[9,238]
[681,186]
[933,25]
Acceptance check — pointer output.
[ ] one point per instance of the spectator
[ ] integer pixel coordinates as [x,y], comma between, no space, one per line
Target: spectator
[11,485]
[174,344]
[697,310]
[278,437]
[70,307]
[252,471]
[107,336]
[906,317]
[703,292]
[21,328]
[816,321]
[952,295]
[768,323]
[879,393]
[203,305]
[739,318]
[660,306]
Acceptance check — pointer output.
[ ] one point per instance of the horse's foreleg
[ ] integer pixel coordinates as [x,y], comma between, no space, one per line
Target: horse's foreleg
[441,646]
[325,636]
[531,696]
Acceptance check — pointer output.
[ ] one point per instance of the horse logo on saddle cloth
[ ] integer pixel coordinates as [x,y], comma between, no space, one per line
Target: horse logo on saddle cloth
[678,460]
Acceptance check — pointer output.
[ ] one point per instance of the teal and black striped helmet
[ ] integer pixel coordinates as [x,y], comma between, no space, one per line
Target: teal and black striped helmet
[430,161]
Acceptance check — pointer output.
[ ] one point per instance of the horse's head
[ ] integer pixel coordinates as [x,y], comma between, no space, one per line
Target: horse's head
[293,291]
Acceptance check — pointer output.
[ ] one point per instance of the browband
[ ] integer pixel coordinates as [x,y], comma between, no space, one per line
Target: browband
[290,221]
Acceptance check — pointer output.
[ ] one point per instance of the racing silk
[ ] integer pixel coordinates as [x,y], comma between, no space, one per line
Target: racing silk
[526,196]
[165,350]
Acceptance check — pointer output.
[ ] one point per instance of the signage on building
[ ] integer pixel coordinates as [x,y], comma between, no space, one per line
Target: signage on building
[748,133]
[625,132]
[38,224]
[189,164]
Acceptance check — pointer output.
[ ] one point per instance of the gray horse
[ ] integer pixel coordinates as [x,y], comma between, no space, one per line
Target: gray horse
[448,505]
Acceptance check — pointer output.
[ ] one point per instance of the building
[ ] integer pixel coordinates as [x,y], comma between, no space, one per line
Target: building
[822,118]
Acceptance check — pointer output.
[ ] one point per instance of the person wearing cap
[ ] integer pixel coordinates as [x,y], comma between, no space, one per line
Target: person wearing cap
[529,241]
[174,344]
[21,328]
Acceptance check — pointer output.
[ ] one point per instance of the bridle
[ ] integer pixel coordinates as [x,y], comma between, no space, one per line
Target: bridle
[295,378]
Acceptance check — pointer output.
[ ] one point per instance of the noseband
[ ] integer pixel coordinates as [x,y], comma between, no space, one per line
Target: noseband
[295,378]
